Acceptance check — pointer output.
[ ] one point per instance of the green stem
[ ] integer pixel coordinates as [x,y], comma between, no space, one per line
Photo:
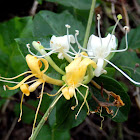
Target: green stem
[44,118]
[40,49]
[89,23]
[52,63]
[120,133]
[90,75]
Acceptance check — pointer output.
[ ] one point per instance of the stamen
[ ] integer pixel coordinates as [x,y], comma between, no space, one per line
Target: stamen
[16,76]
[71,53]
[76,40]
[119,18]
[21,107]
[126,28]
[99,32]
[68,55]
[38,108]
[68,26]
[73,107]
[31,81]
[123,73]
[56,92]
[47,54]
[9,81]
[84,100]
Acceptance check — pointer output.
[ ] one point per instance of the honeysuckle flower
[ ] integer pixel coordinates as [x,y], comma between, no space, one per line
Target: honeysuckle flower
[101,50]
[35,65]
[60,45]
[74,77]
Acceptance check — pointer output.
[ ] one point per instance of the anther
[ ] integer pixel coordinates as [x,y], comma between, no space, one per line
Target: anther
[38,42]
[28,45]
[119,16]
[77,32]
[67,26]
[126,28]
[98,17]
[4,87]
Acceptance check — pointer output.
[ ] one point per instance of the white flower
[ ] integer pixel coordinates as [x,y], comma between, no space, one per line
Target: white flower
[100,48]
[61,44]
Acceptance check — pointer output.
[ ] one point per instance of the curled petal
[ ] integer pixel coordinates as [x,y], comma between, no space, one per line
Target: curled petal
[45,62]
[34,64]
[25,89]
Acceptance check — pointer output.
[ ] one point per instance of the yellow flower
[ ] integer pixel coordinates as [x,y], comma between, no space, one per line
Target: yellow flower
[35,65]
[74,77]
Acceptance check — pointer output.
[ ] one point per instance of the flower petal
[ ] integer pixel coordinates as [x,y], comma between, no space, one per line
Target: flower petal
[24,89]
[34,64]
[65,92]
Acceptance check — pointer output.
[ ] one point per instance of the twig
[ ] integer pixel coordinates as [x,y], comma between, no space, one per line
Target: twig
[120,133]
[5,106]
[125,13]
[11,129]
[34,8]
[89,23]
[130,132]
[115,17]
[137,6]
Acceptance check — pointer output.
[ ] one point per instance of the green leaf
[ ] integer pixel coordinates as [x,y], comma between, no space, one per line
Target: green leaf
[11,62]
[45,24]
[78,4]
[128,60]
[40,1]
[62,117]
[114,86]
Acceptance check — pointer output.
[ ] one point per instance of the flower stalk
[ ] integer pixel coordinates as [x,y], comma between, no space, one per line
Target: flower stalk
[89,23]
